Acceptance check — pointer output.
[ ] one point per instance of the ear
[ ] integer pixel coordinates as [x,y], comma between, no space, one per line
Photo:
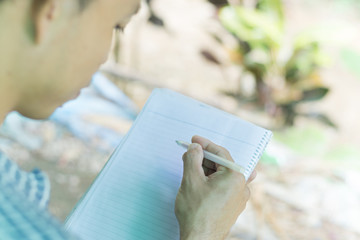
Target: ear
[43,13]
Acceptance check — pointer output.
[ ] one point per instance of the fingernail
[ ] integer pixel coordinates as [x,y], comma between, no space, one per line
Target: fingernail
[193,146]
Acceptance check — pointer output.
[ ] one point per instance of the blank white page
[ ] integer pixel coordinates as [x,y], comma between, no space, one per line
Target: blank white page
[133,197]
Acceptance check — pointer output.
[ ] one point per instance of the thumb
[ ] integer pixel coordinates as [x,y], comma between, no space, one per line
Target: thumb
[193,159]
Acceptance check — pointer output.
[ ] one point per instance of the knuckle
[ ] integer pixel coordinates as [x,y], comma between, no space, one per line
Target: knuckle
[194,150]
[238,179]
[180,207]
[221,150]
[184,156]
[225,151]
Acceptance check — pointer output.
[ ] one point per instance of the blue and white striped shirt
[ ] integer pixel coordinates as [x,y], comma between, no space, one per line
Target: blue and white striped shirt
[24,198]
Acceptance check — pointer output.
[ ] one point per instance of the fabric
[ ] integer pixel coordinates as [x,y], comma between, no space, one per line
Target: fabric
[33,186]
[23,205]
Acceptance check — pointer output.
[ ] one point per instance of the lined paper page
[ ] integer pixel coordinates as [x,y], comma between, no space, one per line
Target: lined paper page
[134,196]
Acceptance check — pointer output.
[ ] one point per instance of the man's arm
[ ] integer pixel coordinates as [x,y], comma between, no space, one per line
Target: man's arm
[211,197]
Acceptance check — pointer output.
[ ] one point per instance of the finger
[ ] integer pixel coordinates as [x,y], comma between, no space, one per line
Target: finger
[209,167]
[208,171]
[252,176]
[212,147]
[209,164]
[193,159]
[228,179]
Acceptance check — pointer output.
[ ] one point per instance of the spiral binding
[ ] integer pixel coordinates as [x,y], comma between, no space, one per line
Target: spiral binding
[258,152]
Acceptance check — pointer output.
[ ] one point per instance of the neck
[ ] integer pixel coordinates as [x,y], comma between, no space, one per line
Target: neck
[8,98]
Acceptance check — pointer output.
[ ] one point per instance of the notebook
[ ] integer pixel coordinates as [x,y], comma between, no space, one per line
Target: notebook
[134,195]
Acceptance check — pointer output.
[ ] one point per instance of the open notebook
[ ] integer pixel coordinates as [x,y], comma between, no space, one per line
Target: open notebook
[133,197]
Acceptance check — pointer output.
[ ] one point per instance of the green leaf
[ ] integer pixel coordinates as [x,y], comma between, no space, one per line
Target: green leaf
[320,117]
[305,60]
[273,8]
[252,26]
[219,3]
[314,94]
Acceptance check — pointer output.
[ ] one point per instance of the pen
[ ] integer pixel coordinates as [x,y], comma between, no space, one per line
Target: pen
[216,159]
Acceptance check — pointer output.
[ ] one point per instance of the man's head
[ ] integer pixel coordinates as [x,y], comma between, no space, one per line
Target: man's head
[50,48]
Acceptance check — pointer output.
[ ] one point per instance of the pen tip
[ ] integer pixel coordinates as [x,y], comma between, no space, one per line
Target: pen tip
[182,144]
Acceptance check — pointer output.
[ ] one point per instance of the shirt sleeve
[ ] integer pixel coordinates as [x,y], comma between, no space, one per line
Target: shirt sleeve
[23,205]
[33,186]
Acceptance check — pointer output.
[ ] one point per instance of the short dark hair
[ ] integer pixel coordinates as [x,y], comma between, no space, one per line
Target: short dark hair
[83,4]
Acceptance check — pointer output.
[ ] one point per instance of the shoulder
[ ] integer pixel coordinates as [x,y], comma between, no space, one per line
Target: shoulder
[23,199]
[33,186]
[21,219]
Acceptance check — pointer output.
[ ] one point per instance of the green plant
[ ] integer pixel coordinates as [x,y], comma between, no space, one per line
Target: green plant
[282,81]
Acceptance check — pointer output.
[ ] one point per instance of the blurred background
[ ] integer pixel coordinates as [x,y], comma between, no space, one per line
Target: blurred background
[292,66]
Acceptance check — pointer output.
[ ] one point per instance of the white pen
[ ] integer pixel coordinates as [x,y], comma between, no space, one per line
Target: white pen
[216,159]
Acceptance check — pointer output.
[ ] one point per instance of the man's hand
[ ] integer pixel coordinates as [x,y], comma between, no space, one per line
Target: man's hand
[211,197]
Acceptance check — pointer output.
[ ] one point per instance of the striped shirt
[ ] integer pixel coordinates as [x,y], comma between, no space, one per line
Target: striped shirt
[24,199]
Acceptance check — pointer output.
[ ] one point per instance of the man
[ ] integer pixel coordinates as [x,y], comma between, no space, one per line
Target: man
[48,52]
